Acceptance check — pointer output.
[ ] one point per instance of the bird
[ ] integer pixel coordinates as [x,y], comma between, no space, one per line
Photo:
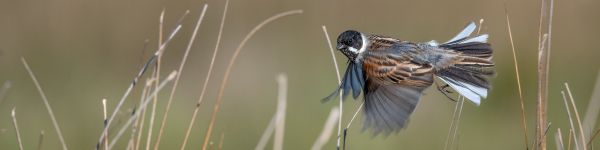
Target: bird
[392,74]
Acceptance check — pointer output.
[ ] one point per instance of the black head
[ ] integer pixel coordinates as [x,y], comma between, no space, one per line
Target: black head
[350,43]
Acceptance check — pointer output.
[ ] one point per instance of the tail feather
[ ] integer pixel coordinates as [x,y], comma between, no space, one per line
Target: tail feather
[475,49]
[464,33]
[469,76]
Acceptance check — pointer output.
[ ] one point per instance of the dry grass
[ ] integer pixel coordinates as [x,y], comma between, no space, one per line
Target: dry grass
[277,123]
[264,139]
[519,87]
[217,104]
[16,126]
[139,125]
[180,69]
[543,73]
[558,140]
[105,119]
[150,61]
[456,115]
[327,129]
[157,77]
[40,140]
[136,115]
[154,85]
[589,143]
[581,135]
[282,83]
[592,111]
[45,100]
[570,120]
[339,79]
[580,132]
[208,75]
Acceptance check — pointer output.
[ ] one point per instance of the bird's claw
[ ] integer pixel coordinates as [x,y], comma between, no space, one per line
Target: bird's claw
[444,89]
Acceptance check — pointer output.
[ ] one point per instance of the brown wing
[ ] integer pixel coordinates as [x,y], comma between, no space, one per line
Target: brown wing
[387,68]
[393,88]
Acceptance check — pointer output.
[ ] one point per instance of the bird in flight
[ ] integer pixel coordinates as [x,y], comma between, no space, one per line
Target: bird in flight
[392,73]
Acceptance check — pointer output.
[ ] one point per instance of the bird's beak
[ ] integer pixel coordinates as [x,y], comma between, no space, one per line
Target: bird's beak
[339,46]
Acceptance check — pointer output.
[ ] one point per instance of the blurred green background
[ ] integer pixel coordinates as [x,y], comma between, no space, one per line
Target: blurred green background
[83,51]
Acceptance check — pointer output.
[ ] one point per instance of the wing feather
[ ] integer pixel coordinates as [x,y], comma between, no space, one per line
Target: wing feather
[388,107]
[393,89]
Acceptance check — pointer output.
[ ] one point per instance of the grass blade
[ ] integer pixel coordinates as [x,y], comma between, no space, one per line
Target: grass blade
[581,134]
[141,106]
[522,101]
[182,64]
[327,129]
[46,103]
[135,80]
[105,120]
[208,75]
[570,121]
[40,140]
[591,114]
[337,73]
[560,145]
[266,134]
[281,107]
[217,104]
[14,119]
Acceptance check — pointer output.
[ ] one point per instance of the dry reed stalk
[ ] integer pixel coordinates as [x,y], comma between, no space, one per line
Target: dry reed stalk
[539,120]
[542,99]
[105,117]
[157,77]
[46,103]
[180,70]
[543,73]
[153,110]
[480,25]
[570,119]
[264,139]
[327,129]
[136,78]
[457,119]
[345,134]
[40,140]
[560,145]
[208,75]
[591,114]
[16,126]
[355,114]
[581,134]
[282,83]
[217,104]
[570,137]
[516,64]
[141,106]
[337,72]
[592,138]
[139,123]
[278,120]
[451,129]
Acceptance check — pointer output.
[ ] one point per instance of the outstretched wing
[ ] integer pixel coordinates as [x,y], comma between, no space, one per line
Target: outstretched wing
[353,82]
[393,88]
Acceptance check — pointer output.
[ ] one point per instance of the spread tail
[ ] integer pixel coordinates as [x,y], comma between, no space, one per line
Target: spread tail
[469,76]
